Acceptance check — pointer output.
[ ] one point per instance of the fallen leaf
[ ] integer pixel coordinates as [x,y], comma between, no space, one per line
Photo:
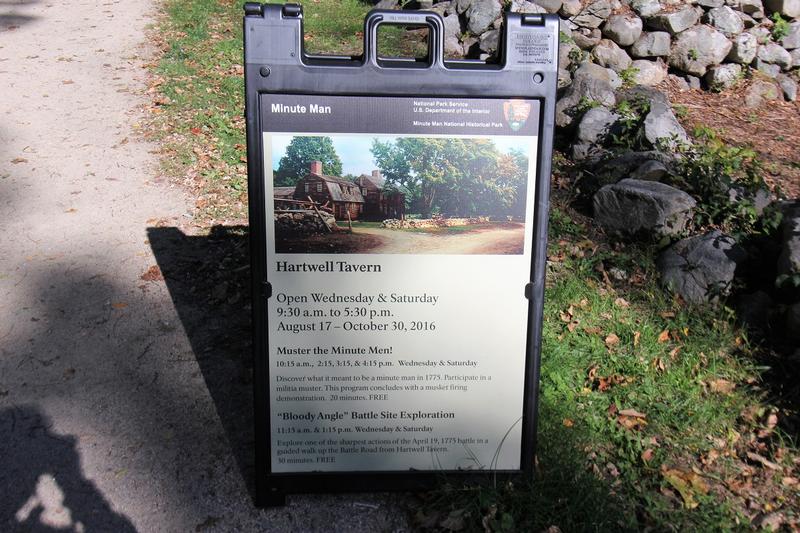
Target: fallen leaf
[633,413]
[119,305]
[18,160]
[667,314]
[612,340]
[568,423]
[637,335]
[674,352]
[647,455]
[621,302]
[763,461]
[71,210]
[688,485]
[789,481]
[152,274]
[770,522]
[67,82]
[658,364]
[663,336]
[594,330]
[721,386]
[572,325]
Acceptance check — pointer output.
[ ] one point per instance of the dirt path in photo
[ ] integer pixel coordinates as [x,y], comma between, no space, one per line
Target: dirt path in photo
[483,241]
[113,415]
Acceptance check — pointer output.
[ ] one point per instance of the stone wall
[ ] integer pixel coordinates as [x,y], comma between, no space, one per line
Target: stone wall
[302,223]
[698,43]
[439,222]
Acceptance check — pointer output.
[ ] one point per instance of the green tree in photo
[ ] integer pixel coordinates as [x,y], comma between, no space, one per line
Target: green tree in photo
[299,155]
[457,177]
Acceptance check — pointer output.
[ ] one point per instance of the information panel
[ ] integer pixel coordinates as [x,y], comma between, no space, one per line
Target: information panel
[399,247]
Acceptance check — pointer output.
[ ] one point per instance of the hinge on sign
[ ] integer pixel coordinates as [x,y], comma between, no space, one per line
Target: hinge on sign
[266,289]
[292,10]
[253,9]
[529,291]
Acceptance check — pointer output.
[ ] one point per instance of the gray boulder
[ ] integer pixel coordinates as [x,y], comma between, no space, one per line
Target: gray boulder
[591,83]
[679,82]
[768,69]
[661,127]
[747,20]
[551,6]
[789,259]
[743,49]
[608,54]
[788,86]
[762,34]
[452,31]
[701,269]
[792,39]
[795,56]
[634,208]
[623,29]
[490,40]
[564,78]
[759,92]
[653,44]
[787,8]
[526,6]
[593,14]
[698,48]
[710,3]
[648,73]
[754,8]
[725,20]
[387,4]
[566,53]
[586,39]
[650,171]
[462,5]
[775,54]
[676,21]
[612,170]
[481,15]
[595,124]
[721,77]
[646,8]
[570,8]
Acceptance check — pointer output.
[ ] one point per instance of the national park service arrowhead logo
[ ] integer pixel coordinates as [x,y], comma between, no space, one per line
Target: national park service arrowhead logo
[516,113]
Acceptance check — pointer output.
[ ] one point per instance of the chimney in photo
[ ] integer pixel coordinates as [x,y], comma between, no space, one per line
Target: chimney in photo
[316,167]
[376,173]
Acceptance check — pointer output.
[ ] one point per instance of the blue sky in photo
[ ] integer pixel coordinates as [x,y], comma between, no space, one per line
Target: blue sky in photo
[354,150]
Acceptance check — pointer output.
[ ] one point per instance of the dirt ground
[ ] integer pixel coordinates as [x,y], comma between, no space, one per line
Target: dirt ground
[118,410]
[772,130]
[493,240]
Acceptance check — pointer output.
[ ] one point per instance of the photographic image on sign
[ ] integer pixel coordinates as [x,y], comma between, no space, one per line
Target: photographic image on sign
[392,194]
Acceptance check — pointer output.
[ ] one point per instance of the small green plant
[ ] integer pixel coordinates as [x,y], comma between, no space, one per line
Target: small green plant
[781,27]
[585,104]
[681,111]
[724,180]
[628,76]
[575,55]
[629,131]
[565,38]
[693,54]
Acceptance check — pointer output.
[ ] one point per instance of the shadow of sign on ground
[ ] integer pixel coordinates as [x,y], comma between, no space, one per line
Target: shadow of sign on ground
[42,481]
[208,281]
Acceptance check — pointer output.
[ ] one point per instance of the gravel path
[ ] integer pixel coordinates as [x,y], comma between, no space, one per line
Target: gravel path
[484,241]
[108,420]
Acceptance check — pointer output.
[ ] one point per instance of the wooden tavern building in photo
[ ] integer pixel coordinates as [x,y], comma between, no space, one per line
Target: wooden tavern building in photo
[363,198]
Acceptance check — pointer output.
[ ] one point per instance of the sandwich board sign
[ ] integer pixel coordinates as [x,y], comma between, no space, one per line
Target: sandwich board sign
[398,217]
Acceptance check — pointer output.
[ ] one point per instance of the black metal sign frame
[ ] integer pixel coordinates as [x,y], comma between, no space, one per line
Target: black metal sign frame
[276,63]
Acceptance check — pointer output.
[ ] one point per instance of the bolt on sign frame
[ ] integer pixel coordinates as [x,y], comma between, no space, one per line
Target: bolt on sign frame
[290,93]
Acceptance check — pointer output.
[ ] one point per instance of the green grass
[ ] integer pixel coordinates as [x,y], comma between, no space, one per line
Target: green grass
[591,475]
